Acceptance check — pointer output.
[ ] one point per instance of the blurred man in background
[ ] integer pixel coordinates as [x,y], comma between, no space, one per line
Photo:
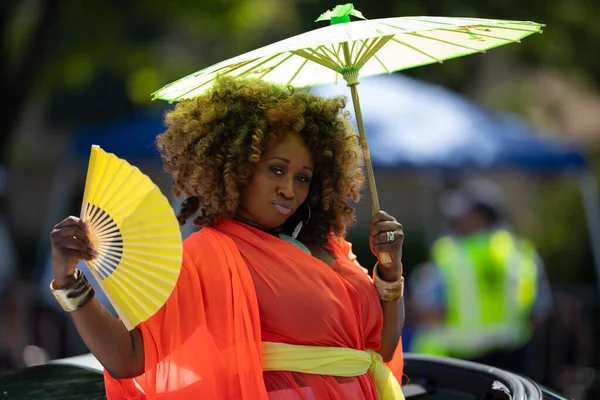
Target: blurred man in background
[485,293]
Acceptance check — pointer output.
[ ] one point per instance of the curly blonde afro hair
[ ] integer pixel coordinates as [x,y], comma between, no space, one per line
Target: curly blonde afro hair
[213,142]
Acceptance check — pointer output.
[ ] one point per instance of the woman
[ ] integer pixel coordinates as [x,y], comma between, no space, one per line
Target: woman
[270,301]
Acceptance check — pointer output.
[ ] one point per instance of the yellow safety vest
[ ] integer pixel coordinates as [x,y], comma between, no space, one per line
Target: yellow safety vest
[490,283]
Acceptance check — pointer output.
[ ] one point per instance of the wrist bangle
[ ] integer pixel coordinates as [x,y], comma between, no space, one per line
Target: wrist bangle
[388,291]
[75,295]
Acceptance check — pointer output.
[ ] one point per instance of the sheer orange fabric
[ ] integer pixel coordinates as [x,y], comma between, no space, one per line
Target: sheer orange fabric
[238,287]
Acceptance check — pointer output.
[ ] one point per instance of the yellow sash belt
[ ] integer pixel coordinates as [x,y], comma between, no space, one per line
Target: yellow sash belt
[334,361]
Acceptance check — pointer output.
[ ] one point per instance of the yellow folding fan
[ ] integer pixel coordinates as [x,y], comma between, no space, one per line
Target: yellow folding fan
[135,232]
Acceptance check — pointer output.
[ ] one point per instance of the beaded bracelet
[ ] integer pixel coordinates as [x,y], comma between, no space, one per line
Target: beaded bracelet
[388,291]
[76,294]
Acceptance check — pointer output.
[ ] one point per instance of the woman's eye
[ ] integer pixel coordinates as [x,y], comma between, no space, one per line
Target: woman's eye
[304,178]
[277,170]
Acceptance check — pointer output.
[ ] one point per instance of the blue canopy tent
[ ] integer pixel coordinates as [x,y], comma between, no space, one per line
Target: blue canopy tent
[410,125]
[414,125]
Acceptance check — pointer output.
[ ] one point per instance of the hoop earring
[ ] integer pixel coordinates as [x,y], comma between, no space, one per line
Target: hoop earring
[301,224]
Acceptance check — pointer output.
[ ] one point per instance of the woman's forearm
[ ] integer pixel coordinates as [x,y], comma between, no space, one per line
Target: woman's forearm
[119,351]
[393,322]
[393,312]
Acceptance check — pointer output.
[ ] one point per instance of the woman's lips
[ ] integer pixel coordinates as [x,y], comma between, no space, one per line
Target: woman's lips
[285,209]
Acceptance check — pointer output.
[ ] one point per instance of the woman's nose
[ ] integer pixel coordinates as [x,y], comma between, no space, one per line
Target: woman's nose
[286,189]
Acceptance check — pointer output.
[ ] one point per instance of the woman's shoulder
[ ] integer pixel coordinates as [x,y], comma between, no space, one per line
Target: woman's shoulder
[205,240]
[201,233]
[207,250]
[342,248]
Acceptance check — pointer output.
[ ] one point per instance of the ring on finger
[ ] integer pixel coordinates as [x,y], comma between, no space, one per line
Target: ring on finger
[389,237]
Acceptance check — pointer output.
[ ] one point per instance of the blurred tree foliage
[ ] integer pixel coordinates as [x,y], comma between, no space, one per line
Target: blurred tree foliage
[99,60]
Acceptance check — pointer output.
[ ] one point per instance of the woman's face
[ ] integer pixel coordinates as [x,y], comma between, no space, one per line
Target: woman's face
[279,184]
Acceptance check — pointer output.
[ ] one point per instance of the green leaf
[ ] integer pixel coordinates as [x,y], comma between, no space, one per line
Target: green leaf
[357,14]
[343,10]
[324,17]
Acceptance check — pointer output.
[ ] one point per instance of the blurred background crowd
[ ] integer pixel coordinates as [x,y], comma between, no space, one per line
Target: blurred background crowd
[493,172]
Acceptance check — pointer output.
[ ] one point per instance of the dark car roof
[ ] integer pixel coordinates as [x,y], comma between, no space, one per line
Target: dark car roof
[431,378]
[52,381]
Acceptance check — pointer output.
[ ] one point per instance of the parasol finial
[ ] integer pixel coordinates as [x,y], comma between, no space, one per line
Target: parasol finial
[340,14]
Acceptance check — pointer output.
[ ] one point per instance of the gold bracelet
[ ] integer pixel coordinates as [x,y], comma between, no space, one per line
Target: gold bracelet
[388,291]
[75,295]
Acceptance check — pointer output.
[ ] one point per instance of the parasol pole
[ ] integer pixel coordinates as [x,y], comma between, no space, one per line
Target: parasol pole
[365,148]
[352,82]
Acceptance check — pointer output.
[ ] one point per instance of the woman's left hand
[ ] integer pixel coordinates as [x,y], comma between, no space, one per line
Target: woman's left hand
[386,236]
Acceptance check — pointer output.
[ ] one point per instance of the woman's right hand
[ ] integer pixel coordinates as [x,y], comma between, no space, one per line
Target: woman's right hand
[70,244]
[121,352]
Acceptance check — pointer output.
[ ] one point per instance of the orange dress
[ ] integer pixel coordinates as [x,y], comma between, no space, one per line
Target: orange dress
[240,286]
